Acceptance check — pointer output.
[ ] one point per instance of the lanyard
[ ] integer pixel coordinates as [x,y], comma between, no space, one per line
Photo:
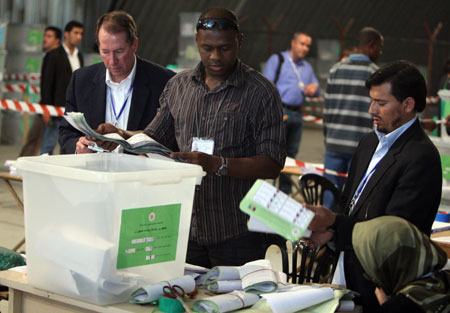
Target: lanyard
[297,73]
[361,187]
[123,106]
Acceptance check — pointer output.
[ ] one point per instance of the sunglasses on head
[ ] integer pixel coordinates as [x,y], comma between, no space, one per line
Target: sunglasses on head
[216,23]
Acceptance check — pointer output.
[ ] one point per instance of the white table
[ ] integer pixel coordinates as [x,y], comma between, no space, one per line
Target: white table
[27,299]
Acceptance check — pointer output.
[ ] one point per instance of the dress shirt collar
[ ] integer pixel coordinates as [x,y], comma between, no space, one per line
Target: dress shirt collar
[75,50]
[287,54]
[359,57]
[395,134]
[236,78]
[127,81]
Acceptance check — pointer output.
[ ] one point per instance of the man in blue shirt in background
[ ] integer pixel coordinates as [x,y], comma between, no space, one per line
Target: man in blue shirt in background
[295,80]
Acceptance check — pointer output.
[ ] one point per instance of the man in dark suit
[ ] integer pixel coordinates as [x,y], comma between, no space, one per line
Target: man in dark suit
[57,69]
[51,40]
[123,90]
[396,170]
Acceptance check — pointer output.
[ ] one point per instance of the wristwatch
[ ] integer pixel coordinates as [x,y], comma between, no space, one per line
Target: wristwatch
[223,169]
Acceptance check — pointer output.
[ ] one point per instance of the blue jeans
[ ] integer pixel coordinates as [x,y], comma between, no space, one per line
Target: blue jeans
[233,252]
[293,126]
[50,138]
[339,162]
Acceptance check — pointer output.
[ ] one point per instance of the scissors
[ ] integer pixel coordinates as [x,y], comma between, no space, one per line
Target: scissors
[176,292]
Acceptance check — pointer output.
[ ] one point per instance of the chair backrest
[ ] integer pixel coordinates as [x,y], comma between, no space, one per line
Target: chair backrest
[316,265]
[313,187]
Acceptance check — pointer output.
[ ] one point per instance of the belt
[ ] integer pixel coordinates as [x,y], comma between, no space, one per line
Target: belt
[292,107]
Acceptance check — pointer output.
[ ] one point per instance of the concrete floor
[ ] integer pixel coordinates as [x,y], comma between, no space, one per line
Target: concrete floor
[11,217]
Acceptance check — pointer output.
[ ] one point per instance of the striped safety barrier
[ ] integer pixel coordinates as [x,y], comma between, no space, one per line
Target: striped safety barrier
[312,119]
[20,88]
[22,106]
[434,99]
[319,169]
[24,76]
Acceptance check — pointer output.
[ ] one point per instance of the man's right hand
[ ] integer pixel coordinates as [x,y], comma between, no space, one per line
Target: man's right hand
[82,146]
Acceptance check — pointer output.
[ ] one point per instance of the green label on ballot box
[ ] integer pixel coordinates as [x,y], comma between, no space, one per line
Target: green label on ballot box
[276,210]
[148,235]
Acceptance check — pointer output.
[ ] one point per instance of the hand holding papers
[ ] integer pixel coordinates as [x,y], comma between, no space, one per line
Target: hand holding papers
[137,144]
[276,210]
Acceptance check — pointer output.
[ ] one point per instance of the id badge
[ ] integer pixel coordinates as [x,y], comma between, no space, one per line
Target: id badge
[301,85]
[204,145]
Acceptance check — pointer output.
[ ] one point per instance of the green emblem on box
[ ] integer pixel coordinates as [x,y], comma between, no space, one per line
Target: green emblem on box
[148,235]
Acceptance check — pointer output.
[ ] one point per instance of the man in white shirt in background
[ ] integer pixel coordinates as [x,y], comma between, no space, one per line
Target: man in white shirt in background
[57,69]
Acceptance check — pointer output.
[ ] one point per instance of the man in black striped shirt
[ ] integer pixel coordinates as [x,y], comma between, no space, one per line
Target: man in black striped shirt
[226,117]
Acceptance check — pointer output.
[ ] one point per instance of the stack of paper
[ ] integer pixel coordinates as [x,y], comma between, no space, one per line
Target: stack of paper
[137,144]
[225,303]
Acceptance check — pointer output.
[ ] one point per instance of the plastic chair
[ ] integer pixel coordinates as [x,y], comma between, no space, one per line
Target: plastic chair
[317,265]
[280,242]
[313,187]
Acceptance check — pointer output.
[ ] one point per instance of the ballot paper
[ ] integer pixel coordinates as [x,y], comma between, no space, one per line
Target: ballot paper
[276,210]
[256,225]
[259,277]
[225,286]
[298,298]
[346,306]
[222,273]
[226,302]
[152,292]
[137,144]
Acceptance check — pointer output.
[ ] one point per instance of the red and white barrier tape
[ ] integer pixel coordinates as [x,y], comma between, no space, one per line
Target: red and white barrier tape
[29,76]
[312,119]
[20,88]
[22,106]
[319,169]
[434,99]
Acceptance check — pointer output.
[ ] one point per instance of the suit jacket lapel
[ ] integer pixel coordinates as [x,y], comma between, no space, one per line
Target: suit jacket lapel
[98,109]
[365,157]
[67,67]
[141,92]
[385,164]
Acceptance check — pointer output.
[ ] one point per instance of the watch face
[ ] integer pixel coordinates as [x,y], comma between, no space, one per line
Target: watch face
[223,171]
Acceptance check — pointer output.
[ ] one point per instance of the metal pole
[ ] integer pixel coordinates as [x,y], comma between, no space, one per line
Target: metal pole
[431,38]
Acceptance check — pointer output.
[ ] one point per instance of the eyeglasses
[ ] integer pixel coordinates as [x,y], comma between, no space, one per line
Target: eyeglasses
[216,23]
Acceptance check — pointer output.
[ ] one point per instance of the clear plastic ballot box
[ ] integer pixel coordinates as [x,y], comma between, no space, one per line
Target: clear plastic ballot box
[99,226]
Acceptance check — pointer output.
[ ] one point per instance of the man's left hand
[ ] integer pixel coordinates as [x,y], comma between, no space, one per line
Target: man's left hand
[323,218]
[209,163]
[318,239]
[311,89]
